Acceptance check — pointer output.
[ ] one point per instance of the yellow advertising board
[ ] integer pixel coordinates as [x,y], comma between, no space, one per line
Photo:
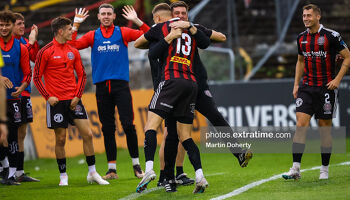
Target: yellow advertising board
[44,138]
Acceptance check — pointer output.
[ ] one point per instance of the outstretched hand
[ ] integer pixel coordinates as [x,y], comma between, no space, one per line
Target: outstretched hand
[129,13]
[80,15]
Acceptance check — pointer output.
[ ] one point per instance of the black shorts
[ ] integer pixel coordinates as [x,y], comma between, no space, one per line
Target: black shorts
[175,97]
[27,112]
[14,112]
[60,115]
[318,101]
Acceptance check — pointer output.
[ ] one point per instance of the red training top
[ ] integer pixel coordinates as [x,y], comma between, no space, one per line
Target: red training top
[128,35]
[57,63]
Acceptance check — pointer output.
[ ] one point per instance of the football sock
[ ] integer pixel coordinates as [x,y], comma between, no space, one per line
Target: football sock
[199,175]
[326,155]
[193,153]
[297,150]
[150,144]
[61,165]
[149,166]
[135,161]
[179,170]
[112,165]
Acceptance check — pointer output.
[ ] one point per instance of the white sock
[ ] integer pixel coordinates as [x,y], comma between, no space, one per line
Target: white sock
[19,173]
[92,168]
[199,175]
[296,165]
[324,168]
[5,163]
[135,161]
[12,171]
[112,166]
[63,174]
[149,166]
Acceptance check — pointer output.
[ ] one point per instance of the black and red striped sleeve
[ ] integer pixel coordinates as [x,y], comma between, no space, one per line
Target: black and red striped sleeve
[25,65]
[79,69]
[39,68]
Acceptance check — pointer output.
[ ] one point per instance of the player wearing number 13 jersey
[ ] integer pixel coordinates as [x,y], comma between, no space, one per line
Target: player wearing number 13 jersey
[317,48]
[176,93]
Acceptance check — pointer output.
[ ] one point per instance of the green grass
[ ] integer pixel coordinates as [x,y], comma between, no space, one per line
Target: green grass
[223,174]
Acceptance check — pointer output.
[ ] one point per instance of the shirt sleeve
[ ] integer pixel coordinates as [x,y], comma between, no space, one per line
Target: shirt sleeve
[39,68]
[85,41]
[33,50]
[202,40]
[130,34]
[153,33]
[300,51]
[338,42]
[79,69]
[205,30]
[25,65]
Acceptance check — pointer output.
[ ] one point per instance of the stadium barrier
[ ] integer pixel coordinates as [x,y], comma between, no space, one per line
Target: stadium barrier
[270,103]
[44,138]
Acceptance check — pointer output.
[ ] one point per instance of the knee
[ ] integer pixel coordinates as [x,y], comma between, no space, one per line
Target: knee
[303,123]
[325,122]
[129,129]
[87,136]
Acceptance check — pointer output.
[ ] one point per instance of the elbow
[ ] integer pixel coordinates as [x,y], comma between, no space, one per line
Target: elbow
[223,38]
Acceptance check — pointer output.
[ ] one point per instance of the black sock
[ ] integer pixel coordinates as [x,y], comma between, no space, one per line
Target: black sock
[170,151]
[161,176]
[90,160]
[3,153]
[150,144]
[179,170]
[131,140]
[13,145]
[298,150]
[20,161]
[61,165]
[326,155]
[193,153]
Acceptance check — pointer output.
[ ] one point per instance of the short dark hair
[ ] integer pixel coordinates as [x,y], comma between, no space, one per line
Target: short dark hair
[18,16]
[314,7]
[7,16]
[178,4]
[58,23]
[106,5]
[161,7]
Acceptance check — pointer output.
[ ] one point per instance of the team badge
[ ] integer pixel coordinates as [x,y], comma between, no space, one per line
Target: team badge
[70,55]
[327,107]
[78,110]
[17,117]
[58,118]
[299,102]
[320,40]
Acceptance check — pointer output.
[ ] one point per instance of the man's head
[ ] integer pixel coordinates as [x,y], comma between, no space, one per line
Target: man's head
[7,20]
[61,27]
[161,13]
[18,29]
[179,9]
[311,15]
[106,14]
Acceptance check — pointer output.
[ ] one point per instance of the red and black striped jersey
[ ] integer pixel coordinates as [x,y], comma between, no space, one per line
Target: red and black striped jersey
[319,51]
[179,58]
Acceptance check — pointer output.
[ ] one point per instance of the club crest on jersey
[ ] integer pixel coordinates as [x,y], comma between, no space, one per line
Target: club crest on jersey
[180,60]
[327,107]
[299,102]
[320,40]
[192,107]
[70,55]
[18,117]
[78,110]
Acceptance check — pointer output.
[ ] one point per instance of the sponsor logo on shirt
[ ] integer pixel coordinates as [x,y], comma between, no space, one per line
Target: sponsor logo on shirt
[315,54]
[180,60]
[108,48]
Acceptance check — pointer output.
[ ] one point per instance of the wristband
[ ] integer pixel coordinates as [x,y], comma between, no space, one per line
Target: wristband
[191,25]
[3,121]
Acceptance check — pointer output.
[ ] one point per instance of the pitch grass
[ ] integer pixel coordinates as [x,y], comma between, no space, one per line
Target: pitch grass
[222,170]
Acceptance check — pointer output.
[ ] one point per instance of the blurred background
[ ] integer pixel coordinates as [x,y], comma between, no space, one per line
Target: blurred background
[261,35]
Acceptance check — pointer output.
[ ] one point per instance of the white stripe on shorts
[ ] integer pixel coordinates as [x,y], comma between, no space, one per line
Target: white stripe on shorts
[335,103]
[156,94]
[48,115]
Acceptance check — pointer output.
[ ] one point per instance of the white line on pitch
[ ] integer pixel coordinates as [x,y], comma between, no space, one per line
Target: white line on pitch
[257,183]
[215,174]
[136,195]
